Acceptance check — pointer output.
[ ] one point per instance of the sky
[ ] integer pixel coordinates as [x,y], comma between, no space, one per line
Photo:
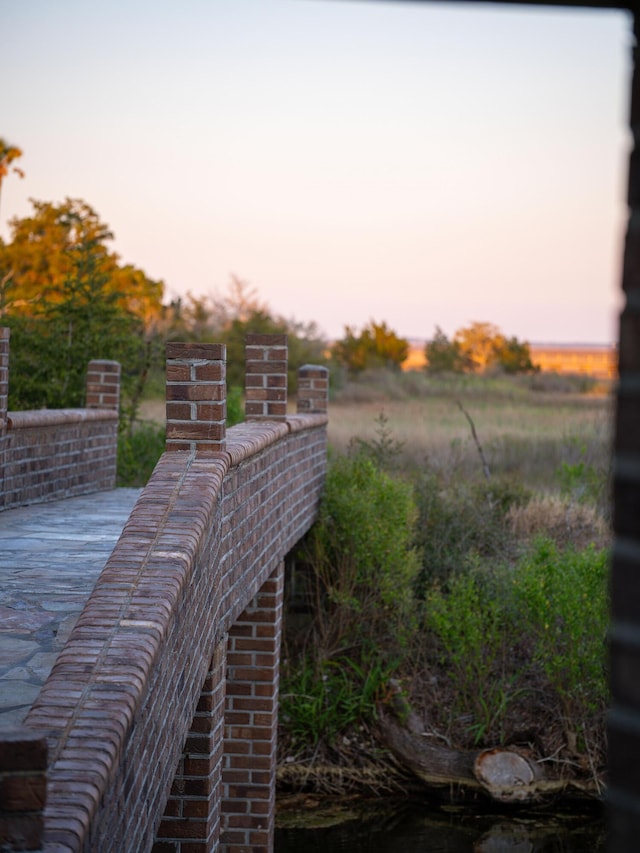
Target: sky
[420,164]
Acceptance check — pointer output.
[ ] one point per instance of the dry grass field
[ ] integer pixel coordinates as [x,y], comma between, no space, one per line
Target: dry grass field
[525,430]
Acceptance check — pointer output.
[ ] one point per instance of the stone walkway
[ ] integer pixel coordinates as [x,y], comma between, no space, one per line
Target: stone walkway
[50,557]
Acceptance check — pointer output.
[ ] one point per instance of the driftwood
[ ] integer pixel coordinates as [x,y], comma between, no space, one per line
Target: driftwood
[501,774]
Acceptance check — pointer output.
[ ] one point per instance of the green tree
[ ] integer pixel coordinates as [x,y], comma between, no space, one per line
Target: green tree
[229,317]
[514,356]
[67,300]
[376,346]
[443,355]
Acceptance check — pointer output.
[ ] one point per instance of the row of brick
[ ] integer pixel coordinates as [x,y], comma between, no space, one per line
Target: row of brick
[50,454]
[160,713]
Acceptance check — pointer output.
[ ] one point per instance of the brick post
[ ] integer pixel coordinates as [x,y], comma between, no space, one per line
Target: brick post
[191,820]
[23,787]
[624,718]
[196,396]
[103,385]
[313,389]
[251,720]
[266,377]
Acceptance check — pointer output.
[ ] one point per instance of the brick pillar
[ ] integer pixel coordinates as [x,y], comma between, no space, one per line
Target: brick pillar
[103,385]
[196,396]
[266,377]
[191,821]
[624,718]
[23,788]
[313,389]
[251,720]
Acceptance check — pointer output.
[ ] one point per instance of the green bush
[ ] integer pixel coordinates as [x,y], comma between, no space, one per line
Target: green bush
[362,557]
[462,519]
[563,601]
[318,702]
[138,452]
[473,631]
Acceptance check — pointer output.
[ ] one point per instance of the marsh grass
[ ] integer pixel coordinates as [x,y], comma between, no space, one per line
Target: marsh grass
[525,434]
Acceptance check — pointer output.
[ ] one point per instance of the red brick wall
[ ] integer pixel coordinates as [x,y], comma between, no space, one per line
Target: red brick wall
[203,540]
[55,453]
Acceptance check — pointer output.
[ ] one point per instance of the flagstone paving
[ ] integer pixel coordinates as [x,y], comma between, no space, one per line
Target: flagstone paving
[50,557]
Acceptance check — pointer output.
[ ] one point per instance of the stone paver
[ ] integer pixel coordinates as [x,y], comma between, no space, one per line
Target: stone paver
[50,557]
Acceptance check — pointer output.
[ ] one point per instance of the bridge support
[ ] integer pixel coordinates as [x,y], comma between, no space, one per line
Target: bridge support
[251,720]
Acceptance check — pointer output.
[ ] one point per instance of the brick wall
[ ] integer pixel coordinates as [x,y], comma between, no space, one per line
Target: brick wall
[134,706]
[49,454]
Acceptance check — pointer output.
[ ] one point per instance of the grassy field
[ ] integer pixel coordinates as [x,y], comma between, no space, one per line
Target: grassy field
[528,428]
[523,432]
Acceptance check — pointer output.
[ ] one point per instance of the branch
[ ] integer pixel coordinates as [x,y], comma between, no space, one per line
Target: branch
[485,467]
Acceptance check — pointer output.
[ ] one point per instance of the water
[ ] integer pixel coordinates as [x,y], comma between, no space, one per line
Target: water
[414,830]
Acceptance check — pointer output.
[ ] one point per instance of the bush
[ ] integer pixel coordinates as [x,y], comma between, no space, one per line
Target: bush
[563,602]
[362,557]
[138,452]
[463,519]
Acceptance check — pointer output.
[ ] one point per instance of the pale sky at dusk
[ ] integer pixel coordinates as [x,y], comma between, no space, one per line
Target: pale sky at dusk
[420,164]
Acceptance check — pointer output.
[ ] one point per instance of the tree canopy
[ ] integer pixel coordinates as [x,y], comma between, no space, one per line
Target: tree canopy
[376,346]
[68,299]
[477,348]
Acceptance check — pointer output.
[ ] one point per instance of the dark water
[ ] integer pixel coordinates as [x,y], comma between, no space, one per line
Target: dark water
[414,830]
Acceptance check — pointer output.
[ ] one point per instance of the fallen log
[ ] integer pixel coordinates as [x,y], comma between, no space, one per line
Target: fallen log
[502,774]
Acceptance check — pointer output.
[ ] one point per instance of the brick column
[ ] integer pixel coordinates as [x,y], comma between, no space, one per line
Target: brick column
[266,377]
[624,718]
[251,720]
[196,396]
[23,787]
[313,389]
[103,385]
[191,822]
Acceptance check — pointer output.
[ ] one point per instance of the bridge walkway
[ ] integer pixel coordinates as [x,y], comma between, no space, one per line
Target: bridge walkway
[50,557]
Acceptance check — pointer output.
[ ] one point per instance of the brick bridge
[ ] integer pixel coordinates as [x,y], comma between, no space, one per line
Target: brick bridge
[156,729]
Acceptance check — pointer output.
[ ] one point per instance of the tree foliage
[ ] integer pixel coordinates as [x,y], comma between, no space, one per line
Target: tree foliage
[475,349]
[376,346]
[67,300]
[443,355]
[229,317]
[9,153]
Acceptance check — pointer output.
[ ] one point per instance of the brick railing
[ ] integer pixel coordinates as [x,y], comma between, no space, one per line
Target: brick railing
[160,713]
[49,454]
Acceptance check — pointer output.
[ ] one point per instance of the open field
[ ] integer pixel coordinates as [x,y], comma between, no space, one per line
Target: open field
[524,433]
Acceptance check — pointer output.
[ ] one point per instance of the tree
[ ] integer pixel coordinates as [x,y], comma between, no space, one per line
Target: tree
[229,317]
[43,253]
[376,346]
[8,153]
[443,355]
[67,300]
[478,344]
[514,356]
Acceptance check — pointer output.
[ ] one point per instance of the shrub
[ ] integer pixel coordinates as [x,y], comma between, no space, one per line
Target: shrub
[138,452]
[468,618]
[361,555]
[563,601]
[319,701]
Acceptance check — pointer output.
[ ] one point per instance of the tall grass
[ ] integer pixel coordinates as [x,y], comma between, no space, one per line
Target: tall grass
[507,607]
